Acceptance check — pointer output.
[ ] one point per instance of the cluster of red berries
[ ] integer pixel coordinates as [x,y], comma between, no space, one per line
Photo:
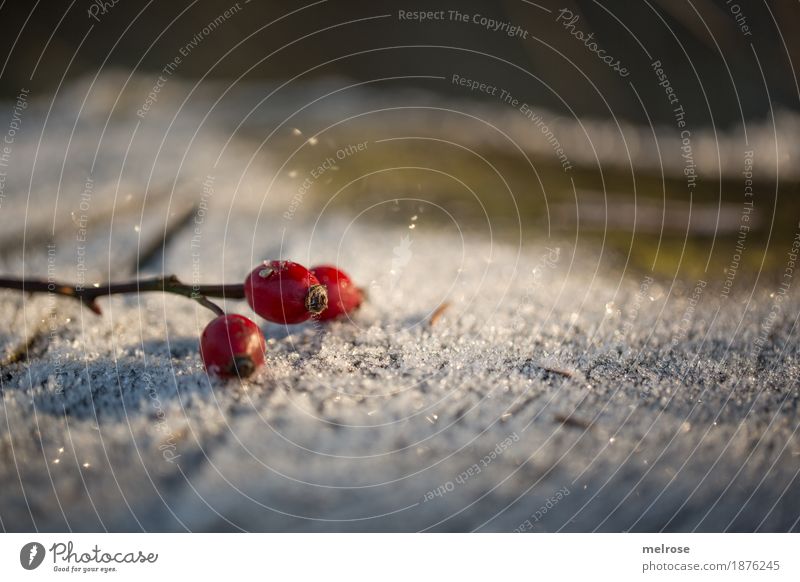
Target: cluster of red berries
[280,292]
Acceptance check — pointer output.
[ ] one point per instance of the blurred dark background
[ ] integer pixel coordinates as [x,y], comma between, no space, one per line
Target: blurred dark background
[700,43]
[730,62]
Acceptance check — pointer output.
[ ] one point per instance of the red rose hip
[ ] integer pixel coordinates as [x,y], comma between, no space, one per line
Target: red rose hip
[232,345]
[343,296]
[284,292]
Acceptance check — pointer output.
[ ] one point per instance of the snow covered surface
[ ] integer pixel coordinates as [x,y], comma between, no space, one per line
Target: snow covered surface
[557,392]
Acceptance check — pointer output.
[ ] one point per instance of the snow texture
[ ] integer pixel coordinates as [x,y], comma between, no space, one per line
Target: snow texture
[557,392]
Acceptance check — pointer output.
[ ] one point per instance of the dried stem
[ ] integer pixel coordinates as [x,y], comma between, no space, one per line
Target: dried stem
[437,313]
[89,295]
[151,251]
[573,421]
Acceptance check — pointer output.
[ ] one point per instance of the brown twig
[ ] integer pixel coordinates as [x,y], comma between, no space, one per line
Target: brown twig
[573,421]
[11,241]
[557,371]
[23,349]
[35,345]
[89,295]
[437,313]
[150,251]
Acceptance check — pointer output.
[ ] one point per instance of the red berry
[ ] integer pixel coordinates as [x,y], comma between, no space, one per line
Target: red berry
[343,295]
[284,292]
[232,345]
